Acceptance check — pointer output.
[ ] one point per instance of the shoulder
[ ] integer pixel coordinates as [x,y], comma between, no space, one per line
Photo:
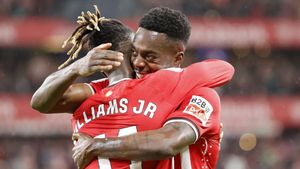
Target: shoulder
[206,92]
[201,99]
[98,85]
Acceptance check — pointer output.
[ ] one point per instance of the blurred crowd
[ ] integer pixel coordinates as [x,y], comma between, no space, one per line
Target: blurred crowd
[49,153]
[266,71]
[270,153]
[36,153]
[131,8]
[275,74]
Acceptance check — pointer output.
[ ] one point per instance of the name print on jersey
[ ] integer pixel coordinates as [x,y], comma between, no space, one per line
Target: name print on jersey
[117,107]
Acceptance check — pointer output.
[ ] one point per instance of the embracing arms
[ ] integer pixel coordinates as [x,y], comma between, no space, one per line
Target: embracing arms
[148,145]
[58,94]
[183,127]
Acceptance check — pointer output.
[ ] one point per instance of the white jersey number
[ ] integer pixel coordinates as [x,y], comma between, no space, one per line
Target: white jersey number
[104,163]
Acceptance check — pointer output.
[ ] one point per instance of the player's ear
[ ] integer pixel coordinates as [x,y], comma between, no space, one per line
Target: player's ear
[178,59]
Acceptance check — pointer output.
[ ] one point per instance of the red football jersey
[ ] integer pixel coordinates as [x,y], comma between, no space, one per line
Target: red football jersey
[98,85]
[201,110]
[143,104]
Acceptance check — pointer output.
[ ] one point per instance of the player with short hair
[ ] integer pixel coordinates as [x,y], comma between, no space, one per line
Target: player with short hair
[193,129]
[160,41]
[169,129]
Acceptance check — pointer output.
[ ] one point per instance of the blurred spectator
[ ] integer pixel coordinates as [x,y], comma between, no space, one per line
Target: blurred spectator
[38,68]
[22,70]
[130,8]
[36,153]
[55,152]
[275,74]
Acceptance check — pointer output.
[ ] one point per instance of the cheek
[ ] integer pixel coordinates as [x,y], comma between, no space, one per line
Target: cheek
[168,61]
[155,67]
[167,64]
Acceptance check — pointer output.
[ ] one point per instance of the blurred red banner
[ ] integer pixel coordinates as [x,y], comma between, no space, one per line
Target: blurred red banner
[224,33]
[19,119]
[264,116]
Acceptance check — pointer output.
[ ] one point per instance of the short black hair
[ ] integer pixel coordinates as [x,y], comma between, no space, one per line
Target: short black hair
[169,21]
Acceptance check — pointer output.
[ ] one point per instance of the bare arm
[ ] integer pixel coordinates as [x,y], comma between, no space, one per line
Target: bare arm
[54,89]
[148,145]
[58,94]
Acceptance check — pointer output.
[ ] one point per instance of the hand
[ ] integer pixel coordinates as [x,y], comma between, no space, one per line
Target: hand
[98,59]
[221,133]
[81,156]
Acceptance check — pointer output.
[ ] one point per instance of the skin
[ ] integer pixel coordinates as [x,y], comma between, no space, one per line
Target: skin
[153,51]
[59,94]
[157,144]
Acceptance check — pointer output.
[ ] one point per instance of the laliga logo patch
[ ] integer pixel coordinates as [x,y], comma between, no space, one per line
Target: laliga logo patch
[199,108]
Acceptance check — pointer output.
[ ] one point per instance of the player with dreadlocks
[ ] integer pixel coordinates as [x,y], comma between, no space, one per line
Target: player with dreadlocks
[159,43]
[124,108]
[88,26]
[59,93]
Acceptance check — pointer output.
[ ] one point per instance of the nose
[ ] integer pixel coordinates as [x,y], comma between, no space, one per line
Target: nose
[139,62]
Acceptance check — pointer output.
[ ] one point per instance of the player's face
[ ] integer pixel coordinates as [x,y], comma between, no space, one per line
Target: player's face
[154,51]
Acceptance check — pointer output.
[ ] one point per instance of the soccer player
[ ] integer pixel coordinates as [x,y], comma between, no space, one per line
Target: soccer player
[124,108]
[59,93]
[159,43]
[86,118]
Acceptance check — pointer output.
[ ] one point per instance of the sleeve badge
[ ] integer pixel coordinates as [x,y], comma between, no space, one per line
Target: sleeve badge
[199,108]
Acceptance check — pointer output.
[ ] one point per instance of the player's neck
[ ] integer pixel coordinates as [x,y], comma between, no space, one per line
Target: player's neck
[119,75]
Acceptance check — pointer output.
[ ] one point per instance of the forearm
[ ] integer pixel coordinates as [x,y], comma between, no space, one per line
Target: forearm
[149,145]
[52,89]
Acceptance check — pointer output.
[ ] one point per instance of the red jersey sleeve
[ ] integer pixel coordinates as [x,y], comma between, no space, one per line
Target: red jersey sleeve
[201,110]
[98,85]
[212,72]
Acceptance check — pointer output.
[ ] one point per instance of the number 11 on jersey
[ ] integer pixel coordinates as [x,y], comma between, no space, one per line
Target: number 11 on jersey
[104,163]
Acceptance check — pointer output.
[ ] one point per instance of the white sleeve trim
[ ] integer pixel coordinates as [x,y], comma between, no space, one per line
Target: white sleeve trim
[187,122]
[91,88]
[99,80]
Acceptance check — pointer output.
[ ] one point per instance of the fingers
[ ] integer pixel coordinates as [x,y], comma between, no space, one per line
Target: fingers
[98,59]
[103,46]
[107,54]
[75,136]
[102,51]
[104,62]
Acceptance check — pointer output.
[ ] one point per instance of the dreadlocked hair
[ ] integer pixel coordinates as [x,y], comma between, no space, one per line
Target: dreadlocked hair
[169,21]
[95,30]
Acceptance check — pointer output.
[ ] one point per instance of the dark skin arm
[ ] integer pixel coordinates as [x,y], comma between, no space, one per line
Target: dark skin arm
[157,144]
[58,94]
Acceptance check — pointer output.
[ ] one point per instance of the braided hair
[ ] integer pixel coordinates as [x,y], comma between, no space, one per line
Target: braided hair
[96,30]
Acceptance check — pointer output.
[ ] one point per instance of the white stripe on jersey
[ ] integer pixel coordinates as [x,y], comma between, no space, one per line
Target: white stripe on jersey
[99,80]
[125,132]
[92,89]
[174,69]
[118,81]
[186,159]
[103,163]
[187,122]
[173,163]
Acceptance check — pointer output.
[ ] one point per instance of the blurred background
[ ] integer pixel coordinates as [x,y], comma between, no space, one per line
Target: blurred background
[260,107]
